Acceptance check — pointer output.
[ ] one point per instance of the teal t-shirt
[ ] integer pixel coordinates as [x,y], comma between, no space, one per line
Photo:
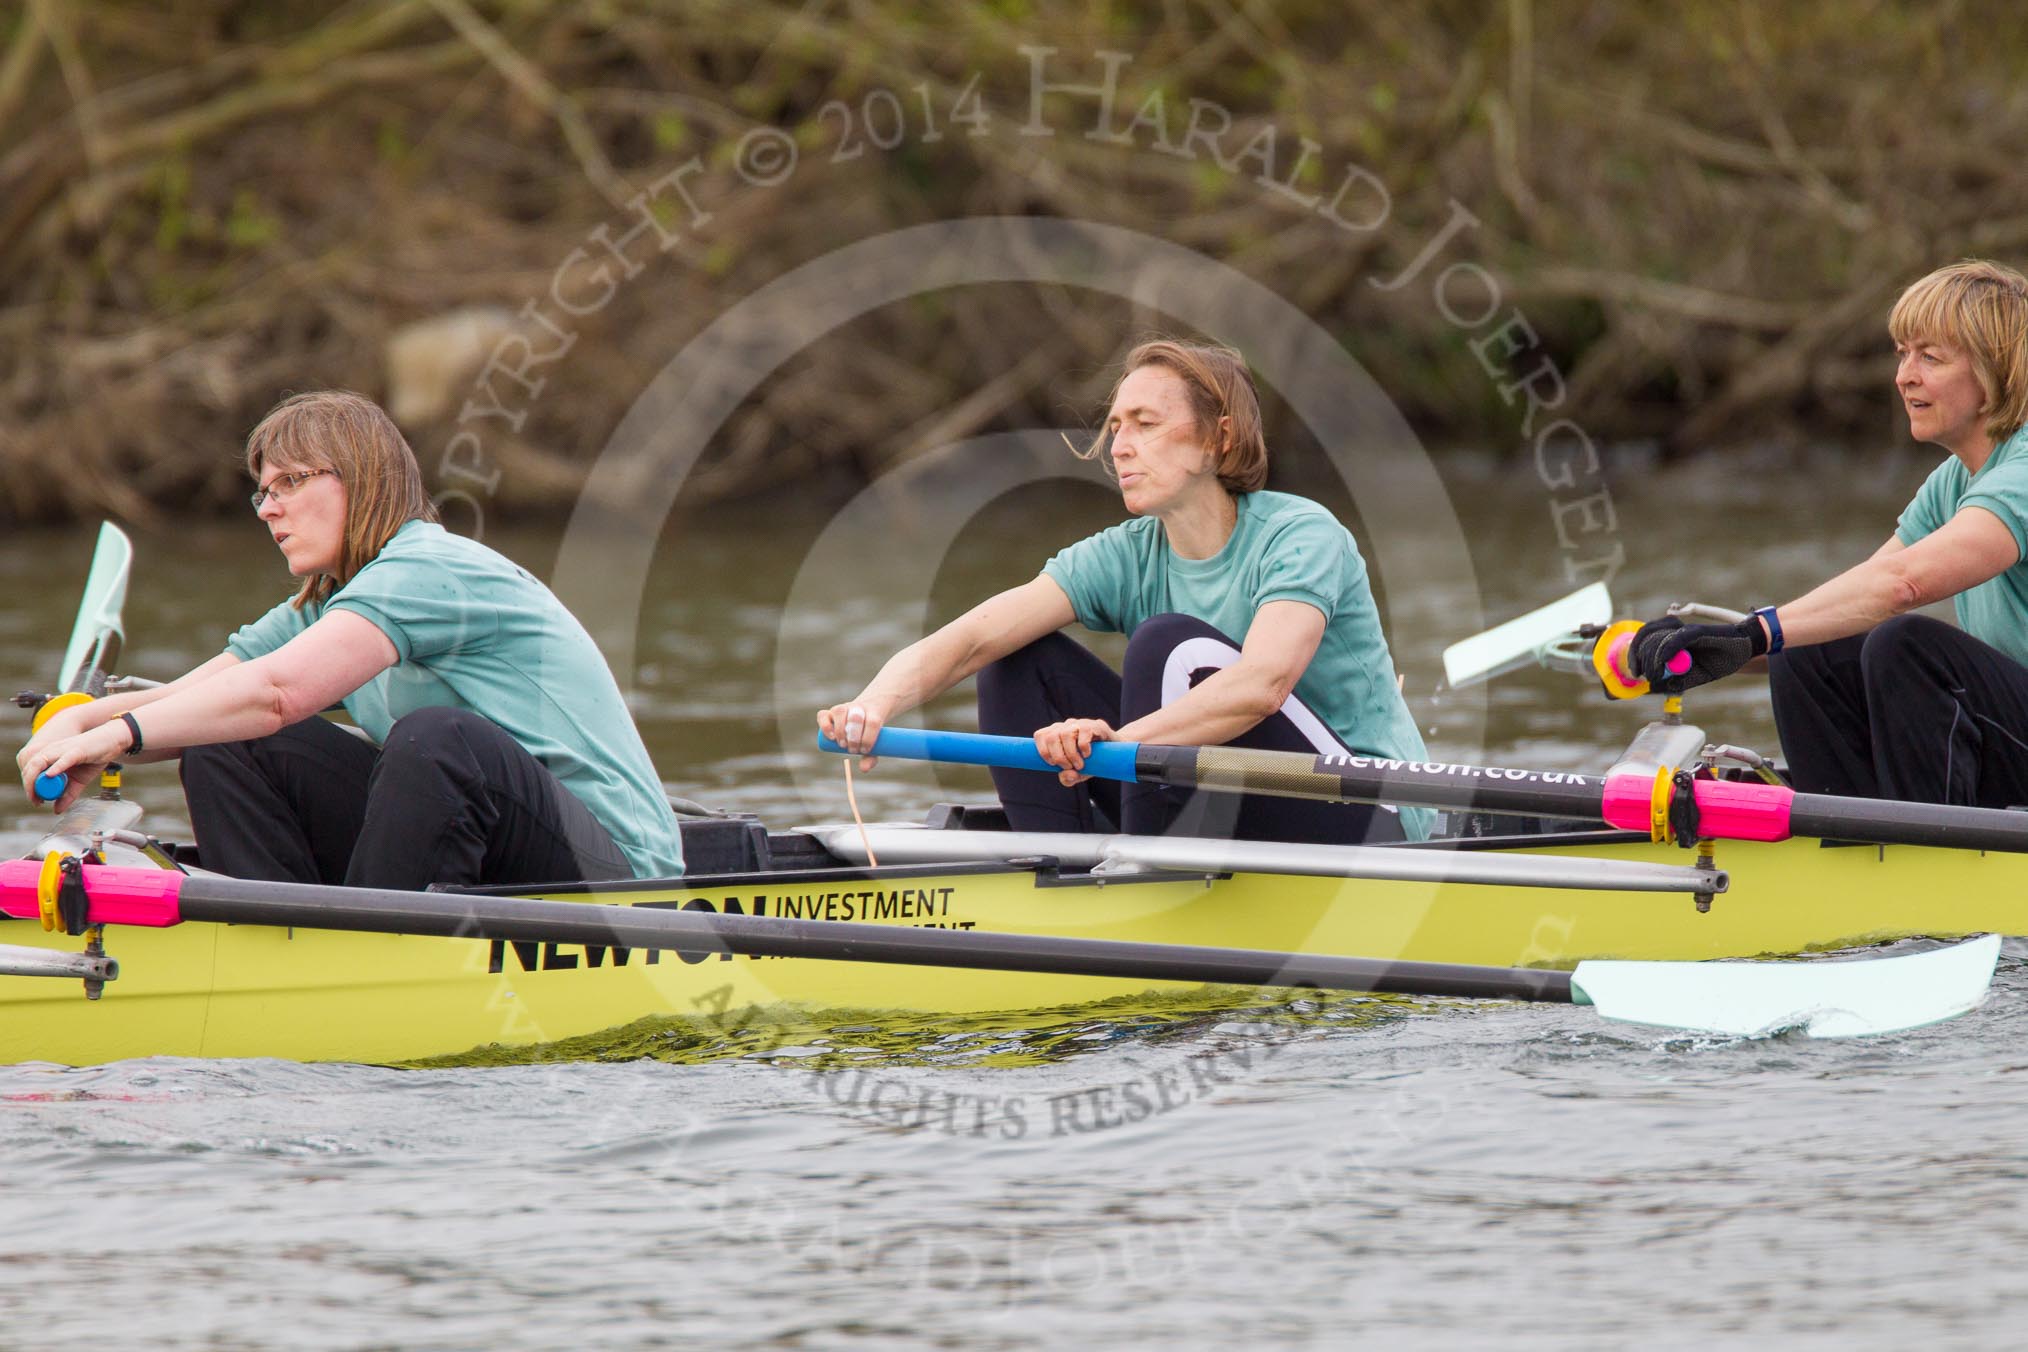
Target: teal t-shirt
[1283,548]
[473,630]
[1995,611]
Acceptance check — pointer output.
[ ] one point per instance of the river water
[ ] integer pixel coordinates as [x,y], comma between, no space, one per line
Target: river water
[1297,1172]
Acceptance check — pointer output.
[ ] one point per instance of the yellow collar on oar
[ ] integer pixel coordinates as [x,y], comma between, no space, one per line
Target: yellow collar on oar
[1605,652]
[1659,803]
[56,704]
[46,886]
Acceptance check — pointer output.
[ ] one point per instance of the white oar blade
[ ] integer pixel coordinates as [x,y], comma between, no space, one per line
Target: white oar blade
[96,635]
[1823,999]
[1521,641]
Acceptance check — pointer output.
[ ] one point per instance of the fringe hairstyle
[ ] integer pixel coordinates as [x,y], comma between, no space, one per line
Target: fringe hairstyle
[1981,307]
[352,436]
[1219,386]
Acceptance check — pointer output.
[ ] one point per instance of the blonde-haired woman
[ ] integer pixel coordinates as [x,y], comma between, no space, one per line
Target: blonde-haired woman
[501,748]
[1869,699]
[1250,621]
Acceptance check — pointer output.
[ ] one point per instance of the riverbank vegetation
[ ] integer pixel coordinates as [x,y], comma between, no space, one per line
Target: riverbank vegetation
[1697,214]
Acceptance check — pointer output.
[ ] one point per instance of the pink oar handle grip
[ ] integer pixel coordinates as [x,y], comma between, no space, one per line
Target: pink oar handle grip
[1622,662]
[119,896]
[1726,809]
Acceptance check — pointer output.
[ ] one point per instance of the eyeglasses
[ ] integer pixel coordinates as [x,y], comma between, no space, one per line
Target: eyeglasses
[284,486]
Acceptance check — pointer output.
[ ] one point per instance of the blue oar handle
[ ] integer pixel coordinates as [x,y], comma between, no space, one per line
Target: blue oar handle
[49,788]
[1107,760]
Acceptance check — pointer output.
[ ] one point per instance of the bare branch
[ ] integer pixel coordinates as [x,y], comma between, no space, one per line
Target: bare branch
[17,68]
[536,88]
[1672,298]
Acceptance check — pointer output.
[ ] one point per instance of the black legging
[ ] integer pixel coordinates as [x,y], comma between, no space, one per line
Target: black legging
[1915,710]
[1056,678]
[450,798]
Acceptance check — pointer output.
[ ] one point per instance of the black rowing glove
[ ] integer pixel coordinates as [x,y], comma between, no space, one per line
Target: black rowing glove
[1716,650]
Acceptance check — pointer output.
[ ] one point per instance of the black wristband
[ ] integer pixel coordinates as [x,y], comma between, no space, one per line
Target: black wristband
[135,729]
[1775,642]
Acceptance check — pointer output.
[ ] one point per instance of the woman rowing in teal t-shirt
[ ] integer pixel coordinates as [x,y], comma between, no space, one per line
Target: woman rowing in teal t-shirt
[1249,617]
[501,748]
[1870,700]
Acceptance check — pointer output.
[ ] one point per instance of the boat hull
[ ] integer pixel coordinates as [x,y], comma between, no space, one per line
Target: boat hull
[251,990]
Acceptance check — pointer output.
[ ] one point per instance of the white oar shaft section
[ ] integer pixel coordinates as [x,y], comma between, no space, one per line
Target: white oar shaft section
[1181,854]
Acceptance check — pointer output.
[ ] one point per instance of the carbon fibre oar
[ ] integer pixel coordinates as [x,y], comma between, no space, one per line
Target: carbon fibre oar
[1828,999]
[1714,808]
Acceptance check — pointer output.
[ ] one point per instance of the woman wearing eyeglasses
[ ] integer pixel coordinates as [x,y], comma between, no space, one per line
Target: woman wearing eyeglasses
[501,748]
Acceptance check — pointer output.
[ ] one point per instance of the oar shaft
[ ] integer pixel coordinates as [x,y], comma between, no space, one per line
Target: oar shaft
[1108,760]
[1726,809]
[657,926]
[1286,774]
[1371,779]
[1869,997]
[1882,821]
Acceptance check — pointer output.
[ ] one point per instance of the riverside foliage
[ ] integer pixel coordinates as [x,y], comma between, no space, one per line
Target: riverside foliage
[1704,211]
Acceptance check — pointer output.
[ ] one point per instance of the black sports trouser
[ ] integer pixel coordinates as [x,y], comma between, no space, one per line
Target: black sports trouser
[1915,710]
[1056,678]
[450,798]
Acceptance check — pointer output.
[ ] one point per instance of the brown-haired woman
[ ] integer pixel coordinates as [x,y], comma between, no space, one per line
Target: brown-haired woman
[501,748]
[1870,700]
[1250,621]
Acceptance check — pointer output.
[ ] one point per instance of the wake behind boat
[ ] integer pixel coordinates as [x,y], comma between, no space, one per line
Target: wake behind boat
[1528,898]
